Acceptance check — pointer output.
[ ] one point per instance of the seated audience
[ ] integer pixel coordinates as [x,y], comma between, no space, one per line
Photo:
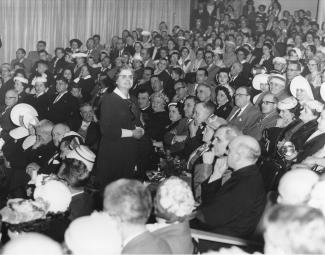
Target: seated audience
[130,202]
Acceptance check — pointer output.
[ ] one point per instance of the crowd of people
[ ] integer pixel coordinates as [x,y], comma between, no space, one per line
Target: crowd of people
[229,114]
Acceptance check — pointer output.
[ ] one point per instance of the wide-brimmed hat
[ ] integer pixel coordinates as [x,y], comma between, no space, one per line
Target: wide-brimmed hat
[79,55]
[21,79]
[287,103]
[258,79]
[279,60]
[23,115]
[41,79]
[145,33]
[84,154]
[56,194]
[300,82]
[277,76]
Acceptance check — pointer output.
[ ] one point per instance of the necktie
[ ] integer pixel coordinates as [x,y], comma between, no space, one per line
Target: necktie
[236,114]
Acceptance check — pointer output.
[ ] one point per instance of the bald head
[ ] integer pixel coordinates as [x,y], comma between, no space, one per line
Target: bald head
[243,151]
[295,186]
[11,97]
[58,132]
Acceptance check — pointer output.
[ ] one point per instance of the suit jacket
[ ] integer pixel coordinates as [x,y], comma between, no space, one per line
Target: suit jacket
[58,65]
[26,62]
[34,57]
[246,120]
[263,123]
[235,207]
[5,122]
[152,51]
[66,110]
[179,128]
[224,110]
[178,237]
[240,80]
[212,72]
[146,243]
[41,104]
[311,147]
[92,135]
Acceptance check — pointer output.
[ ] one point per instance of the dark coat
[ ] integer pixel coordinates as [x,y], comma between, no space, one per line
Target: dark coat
[224,111]
[235,207]
[66,110]
[239,81]
[146,243]
[5,122]
[87,86]
[92,136]
[155,127]
[4,88]
[311,147]
[41,104]
[116,156]
[246,120]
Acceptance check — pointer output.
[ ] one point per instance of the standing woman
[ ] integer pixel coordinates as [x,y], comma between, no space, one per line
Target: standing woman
[120,128]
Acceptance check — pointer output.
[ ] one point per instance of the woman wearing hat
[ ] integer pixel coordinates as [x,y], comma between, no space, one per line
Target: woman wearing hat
[80,59]
[20,86]
[224,102]
[75,170]
[120,128]
[260,83]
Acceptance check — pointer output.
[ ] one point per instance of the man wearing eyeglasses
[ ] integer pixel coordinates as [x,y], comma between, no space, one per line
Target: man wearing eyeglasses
[244,115]
[268,118]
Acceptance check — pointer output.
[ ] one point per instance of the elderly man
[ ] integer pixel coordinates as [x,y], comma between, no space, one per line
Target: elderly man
[202,112]
[238,77]
[268,118]
[11,99]
[236,206]
[280,64]
[244,115]
[277,83]
[129,201]
[295,186]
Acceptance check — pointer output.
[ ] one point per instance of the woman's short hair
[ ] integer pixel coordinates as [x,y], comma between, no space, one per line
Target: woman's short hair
[74,172]
[161,96]
[224,90]
[128,200]
[174,200]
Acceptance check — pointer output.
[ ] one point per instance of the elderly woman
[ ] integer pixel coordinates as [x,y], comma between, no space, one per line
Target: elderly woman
[177,131]
[260,83]
[174,203]
[224,102]
[120,128]
[199,61]
[300,89]
[81,60]
[159,119]
[75,170]
[289,111]
[314,77]
[6,81]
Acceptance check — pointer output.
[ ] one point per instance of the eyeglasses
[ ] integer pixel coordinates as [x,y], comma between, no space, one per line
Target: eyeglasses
[238,94]
[267,102]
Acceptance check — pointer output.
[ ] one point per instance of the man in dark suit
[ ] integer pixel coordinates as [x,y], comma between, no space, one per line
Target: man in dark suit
[154,51]
[33,56]
[236,206]
[238,78]
[211,68]
[244,115]
[89,128]
[91,50]
[144,83]
[64,108]
[118,52]
[130,201]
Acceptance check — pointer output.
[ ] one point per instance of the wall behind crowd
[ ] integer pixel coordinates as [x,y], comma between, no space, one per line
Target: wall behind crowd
[24,22]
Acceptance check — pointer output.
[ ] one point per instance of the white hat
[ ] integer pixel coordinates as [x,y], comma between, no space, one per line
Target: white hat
[84,154]
[40,79]
[19,132]
[287,103]
[279,60]
[298,51]
[258,79]
[23,115]
[314,105]
[300,82]
[79,55]
[88,235]
[181,37]
[21,79]
[277,76]
[290,41]
[32,243]
[56,194]
[145,33]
